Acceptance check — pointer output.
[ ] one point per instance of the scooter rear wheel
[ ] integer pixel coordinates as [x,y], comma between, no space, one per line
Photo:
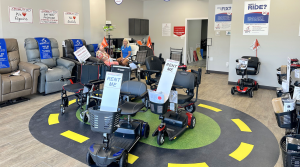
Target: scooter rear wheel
[123,160]
[190,108]
[193,123]
[232,90]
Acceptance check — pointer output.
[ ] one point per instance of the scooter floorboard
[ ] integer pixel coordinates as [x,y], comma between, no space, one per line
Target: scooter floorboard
[174,131]
[121,142]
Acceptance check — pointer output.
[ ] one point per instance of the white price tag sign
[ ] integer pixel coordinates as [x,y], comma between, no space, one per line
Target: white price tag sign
[82,54]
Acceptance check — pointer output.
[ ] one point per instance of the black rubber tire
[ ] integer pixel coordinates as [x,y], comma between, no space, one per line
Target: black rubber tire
[89,159]
[85,118]
[256,86]
[251,93]
[232,90]
[124,159]
[78,101]
[193,123]
[160,138]
[146,131]
[191,108]
[62,110]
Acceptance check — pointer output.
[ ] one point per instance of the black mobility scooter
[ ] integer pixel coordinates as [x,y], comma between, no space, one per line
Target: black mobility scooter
[119,136]
[174,123]
[248,65]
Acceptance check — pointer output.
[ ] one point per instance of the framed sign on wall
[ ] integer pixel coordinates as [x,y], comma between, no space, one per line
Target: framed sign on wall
[71,17]
[20,15]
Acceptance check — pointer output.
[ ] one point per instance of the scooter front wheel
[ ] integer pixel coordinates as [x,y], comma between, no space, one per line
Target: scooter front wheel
[89,159]
[123,160]
[160,138]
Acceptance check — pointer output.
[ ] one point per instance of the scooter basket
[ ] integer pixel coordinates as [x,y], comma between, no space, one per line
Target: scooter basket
[280,77]
[159,109]
[290,159]
[241,72]
[286,120]
[103,121]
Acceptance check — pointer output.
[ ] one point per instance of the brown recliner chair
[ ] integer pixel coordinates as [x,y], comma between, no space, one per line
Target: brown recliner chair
[14,87]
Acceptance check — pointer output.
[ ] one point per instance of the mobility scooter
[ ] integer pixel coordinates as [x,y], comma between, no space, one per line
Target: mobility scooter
[247,65]
[119,136]
[174,123]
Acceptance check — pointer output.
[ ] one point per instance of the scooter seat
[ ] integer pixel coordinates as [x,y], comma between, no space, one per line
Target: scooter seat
[76,87]
[184,98]
[130,108]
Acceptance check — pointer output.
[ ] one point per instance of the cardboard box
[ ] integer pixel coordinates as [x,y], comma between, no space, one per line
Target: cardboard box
[277,105]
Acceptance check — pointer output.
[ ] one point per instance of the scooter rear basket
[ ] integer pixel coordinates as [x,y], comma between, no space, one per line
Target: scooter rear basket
[159,109]
[286,119]
[289,159]
[103,121]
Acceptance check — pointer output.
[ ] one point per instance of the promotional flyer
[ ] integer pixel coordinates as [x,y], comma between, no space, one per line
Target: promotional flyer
[256,17]
[223,16]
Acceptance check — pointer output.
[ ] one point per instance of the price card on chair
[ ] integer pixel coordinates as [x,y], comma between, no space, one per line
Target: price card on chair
[111,91]
[167,77]
[82,54]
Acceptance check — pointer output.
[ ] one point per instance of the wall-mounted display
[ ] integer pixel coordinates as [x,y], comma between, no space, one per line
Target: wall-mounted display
[48,16]
[20,15]
[71,17]
[223,16]
[166,29]
[256,18]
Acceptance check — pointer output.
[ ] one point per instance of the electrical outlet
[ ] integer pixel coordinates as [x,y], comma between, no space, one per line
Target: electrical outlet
[227,64]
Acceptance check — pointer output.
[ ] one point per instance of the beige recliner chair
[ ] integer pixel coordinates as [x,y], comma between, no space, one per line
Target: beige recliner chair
[13,87]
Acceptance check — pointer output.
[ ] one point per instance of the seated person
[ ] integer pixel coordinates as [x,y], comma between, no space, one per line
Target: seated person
[103,56]
[125,53]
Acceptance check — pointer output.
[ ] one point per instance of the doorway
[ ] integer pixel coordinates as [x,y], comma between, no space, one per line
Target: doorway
[195,44]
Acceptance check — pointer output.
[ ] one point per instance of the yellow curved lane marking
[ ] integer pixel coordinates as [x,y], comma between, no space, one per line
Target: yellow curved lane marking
[74,136]
[242,151]
[209,107]
[53,119]
[132,158]
[188,165]
[243,127]
[72,101]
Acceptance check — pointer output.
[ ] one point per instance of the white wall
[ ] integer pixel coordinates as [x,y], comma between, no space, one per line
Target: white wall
[282,41]
[194,33]
[60,32]
[174,12]
[1,35]
[119,15]
[220,48]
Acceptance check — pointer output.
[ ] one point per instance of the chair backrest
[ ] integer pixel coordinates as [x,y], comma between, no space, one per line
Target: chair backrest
[185,79]
[176,54]
[33,53]
[13,56]
[126,71]
[88,73]
[91,49]
[134,49]
[68,50]
[141,57]
[136,88]
[253,64]
[153,63]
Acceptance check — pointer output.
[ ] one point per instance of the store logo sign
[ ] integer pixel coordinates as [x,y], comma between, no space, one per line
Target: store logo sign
[118,2]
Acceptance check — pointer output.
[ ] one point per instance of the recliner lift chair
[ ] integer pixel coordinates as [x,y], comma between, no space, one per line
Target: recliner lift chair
[13,88]
[68,54]
[51,69]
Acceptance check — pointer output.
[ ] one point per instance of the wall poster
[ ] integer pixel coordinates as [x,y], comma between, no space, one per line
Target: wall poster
[20,15]
[166,29]
[223,16]
[48,16]
[179,31]
[71,17]
[256,18]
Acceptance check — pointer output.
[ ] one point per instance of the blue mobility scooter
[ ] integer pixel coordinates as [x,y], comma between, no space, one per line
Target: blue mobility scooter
[119,136]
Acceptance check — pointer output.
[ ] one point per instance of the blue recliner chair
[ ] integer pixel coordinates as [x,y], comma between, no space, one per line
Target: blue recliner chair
[44,53]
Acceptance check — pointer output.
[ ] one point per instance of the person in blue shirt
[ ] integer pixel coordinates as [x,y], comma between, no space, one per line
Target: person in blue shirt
[125,53]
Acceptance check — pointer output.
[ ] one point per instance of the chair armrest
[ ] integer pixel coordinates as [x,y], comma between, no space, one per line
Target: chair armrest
[34,71]
[144,94]
[65,63]
[177,86]
[94,59]
[96,82]
[43,67]
[72,60]
[152,71]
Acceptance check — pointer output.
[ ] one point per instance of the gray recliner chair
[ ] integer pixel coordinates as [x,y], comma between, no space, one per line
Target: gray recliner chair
[52,70]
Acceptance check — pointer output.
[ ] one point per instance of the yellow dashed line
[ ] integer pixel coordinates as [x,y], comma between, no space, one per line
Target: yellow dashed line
[53,119]
[72,101]
[243,127]
[132,158]
[209,107]
[74,136]
[242,151]
[188,165]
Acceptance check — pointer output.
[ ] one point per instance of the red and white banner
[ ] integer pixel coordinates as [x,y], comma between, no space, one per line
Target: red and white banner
[48,17]
[179,31]
[20,15]
[71,17]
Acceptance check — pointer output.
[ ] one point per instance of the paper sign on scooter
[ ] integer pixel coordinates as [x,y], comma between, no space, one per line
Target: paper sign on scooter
[173,97]
[156,97]
[111,92]
[167,77]
[82,54]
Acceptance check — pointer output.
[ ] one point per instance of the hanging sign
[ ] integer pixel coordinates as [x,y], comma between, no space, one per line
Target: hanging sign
[20,15]
[118,2]
[166,29]
[71,17]
[256,18]
[45,48]
[48,17]
[179,31]
[223,15]
[4,63]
